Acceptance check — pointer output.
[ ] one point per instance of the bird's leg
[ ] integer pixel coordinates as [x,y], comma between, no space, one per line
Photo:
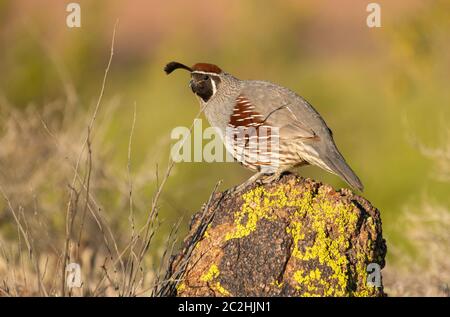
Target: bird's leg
[255,177]
[274,177]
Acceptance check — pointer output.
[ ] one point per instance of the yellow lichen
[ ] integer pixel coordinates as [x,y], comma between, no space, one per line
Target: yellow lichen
[209,276]
[260,204]
[212,273]
[371,224]
[309,281]
[277,284]
[364,289]
[219,288]
[330,224]
[295,231]
[181,287]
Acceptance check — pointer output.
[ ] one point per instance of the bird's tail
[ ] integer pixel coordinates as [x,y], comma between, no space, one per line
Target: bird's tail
[337,165]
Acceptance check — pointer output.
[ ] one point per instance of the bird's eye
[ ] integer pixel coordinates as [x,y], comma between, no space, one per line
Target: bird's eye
[206,77]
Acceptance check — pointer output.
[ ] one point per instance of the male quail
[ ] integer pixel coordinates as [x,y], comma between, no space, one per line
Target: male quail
[299,133]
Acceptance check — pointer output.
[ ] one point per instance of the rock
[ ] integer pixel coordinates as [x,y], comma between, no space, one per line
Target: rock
[294,237]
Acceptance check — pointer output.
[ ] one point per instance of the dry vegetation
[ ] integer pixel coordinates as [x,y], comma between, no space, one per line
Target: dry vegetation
[426,270]
[55,165]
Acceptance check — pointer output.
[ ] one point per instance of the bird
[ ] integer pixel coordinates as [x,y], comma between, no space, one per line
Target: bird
[248,113]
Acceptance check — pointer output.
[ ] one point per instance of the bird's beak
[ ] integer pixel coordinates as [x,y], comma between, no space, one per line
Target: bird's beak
[193,85]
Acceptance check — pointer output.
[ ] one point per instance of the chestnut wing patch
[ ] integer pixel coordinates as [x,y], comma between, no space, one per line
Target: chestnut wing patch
[244,114]
[254,141]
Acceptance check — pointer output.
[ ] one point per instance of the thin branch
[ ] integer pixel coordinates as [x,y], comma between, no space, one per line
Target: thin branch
[69,222]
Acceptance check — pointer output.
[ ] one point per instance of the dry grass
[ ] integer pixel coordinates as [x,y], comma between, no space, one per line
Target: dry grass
[55,164]
[427,273]
[426,270]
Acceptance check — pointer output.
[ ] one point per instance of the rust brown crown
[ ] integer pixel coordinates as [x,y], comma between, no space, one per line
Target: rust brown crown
[199,67]
[207,68]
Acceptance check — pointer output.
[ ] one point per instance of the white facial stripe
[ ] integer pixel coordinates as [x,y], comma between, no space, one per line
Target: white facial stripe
[204,73]
[213,84]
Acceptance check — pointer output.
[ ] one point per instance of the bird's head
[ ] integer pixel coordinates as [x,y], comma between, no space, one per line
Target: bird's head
[206,79]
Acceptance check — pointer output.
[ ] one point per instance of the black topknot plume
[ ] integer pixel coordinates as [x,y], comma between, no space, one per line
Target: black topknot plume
[170,67]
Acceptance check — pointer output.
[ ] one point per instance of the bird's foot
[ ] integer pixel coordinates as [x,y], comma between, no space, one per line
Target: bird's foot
[259,178]
[272,178]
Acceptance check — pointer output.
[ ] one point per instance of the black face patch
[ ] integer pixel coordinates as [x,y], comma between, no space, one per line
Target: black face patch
[202,85]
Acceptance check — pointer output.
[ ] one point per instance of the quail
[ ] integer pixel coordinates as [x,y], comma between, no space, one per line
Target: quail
[246,112]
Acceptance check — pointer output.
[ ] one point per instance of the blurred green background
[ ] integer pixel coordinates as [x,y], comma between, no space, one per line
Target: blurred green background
[383,91]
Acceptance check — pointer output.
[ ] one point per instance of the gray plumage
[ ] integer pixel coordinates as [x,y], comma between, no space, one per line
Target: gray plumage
[304,137]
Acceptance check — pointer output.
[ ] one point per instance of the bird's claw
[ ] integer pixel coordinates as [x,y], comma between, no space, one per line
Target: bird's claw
[272,178]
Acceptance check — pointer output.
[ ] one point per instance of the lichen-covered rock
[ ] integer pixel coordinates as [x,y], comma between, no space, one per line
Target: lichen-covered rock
[295,237]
